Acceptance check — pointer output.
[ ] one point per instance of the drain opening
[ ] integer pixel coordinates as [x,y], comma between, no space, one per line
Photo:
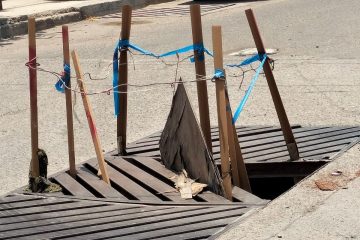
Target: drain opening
[271,188]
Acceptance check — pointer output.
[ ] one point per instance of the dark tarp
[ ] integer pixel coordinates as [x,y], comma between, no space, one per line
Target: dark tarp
[182,144]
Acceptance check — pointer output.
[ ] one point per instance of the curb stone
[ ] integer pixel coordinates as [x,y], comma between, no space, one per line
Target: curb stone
[11,27]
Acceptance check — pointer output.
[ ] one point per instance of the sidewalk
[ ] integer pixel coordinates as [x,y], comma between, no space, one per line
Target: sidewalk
[13,17]
[306,212]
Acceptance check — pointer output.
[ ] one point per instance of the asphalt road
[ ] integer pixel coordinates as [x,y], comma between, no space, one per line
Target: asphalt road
[317,71]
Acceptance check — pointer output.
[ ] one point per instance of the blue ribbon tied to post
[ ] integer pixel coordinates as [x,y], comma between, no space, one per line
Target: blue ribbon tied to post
[125,44]
[259,57]
[64,80]
[198,47]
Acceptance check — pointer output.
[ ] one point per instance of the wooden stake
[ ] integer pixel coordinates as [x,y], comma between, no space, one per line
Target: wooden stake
[35,172]
[239,173]
[89,116]
[221,109]
[69,113]
[200,70]
[280,110]
[123,80]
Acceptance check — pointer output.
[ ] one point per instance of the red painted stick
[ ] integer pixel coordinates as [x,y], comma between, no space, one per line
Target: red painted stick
[89,116]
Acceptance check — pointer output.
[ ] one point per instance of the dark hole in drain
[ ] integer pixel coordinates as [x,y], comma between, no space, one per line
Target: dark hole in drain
[271,188]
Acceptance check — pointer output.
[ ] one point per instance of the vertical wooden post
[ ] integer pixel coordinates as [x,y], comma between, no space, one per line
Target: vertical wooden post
[239,173]
[89,116]
[221,109]
[1,6]
[123,80]
[280,110]
[201,73]
[69,113]
[35,172]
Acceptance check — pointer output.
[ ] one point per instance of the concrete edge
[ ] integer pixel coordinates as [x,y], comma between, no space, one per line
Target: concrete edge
[235,222]
[11,27]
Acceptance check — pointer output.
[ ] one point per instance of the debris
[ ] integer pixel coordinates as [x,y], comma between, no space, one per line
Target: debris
[324,185]
[187,187]
[336,173]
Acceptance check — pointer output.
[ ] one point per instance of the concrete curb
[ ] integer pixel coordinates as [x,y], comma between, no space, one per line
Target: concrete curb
[14,26]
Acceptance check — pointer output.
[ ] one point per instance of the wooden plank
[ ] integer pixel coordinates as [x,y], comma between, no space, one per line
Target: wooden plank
[54,230]
[72,186]
[242,131]
[270,143]
[221,110]
[249,136]
[179,227]
[123,80]
[69,107]
[200,70]
[116,211]
[279,107]
[113,222]
[239,174]
[56,207]
[155,137]
[250,130]
[89,116]
[301,137]
[29,204]
[211,197]
[155,166]
[200,234]
[127,184]
[281,157]
[306,146]
[304,151]
[69,210]
[306,141]
[324,150]
[19,198]
[251,140]
[276,147]
[98,185]
[33,98]
[215,131]
[159,186]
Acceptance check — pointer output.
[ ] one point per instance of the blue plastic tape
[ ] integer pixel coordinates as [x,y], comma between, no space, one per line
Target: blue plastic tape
[219,73]
[247,61]
[116,76]
[65,79]
[126,44]
[196,47]
[250,88]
